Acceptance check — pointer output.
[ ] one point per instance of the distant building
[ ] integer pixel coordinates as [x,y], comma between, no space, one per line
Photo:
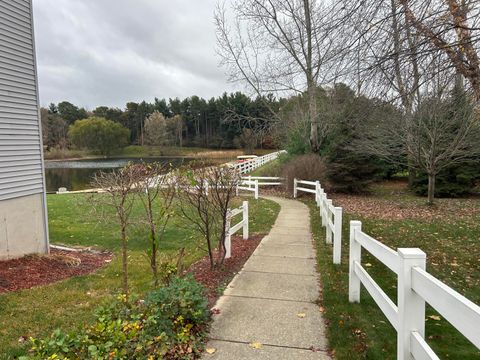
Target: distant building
[23,216]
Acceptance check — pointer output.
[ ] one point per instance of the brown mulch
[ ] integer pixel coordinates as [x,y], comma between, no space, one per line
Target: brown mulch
[36,270]
[216,279]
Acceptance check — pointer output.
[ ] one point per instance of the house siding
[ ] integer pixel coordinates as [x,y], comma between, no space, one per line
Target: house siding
[21,163]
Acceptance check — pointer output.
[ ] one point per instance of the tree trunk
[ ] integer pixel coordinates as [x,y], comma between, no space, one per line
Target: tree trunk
[431,188]
[153,261]
[311,84]
[125,262]
[312,114]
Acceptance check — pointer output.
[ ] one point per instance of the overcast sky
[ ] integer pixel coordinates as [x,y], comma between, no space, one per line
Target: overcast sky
[108,52]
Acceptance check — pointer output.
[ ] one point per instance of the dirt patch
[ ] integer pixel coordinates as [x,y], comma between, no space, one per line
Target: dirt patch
[36,270]
[214,280]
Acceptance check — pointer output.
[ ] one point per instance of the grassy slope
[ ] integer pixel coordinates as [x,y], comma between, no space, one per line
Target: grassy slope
[361,331]
[68,304]
[273,168]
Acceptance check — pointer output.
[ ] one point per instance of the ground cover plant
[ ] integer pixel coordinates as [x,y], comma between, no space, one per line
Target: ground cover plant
[168,324]
[70,304]
[450,236]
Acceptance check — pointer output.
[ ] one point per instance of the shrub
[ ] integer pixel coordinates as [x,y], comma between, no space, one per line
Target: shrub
[182,302]
[306,167]
[168,324]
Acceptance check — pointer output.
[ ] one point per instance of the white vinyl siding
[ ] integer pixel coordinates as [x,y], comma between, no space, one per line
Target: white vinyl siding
[21,168]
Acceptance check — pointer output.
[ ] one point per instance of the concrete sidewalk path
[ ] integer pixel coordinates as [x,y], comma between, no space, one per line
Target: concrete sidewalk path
[268,311]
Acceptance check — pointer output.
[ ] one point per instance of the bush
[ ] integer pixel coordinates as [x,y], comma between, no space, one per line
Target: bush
[169,324]
[305,167]
[98,134]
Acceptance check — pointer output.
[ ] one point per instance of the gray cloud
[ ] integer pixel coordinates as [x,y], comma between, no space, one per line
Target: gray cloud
[108,52]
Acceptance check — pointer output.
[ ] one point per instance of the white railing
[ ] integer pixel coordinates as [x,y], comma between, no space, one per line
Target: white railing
[248,185]
[247,166]
[265,180]
[415,287]
[230,230]
[332,217]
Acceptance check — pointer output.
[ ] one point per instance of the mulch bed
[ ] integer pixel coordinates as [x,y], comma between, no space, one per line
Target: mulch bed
[36,270]
[214,280]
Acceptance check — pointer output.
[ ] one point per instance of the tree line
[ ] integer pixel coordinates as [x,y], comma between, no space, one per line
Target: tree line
[222,122]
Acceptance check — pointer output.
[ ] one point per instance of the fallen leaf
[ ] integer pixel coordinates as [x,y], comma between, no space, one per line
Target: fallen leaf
[368,264]
[322,309]
[301,315]
[256,345]
[435,317]
[210,350]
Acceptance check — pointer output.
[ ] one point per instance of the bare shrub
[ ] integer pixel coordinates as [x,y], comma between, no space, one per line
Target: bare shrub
[205,195]
[119,187]
[156,193]
[309,167]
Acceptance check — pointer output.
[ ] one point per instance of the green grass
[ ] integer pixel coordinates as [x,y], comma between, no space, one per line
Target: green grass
[69,304]
[452,245]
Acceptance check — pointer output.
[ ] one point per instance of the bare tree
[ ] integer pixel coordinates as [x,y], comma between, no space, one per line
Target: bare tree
[277,46]
[205,195]
[450,27]
[156,194]
[119,187]
[441,133]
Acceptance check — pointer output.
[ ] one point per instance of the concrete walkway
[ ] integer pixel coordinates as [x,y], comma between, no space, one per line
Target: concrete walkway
[268,311]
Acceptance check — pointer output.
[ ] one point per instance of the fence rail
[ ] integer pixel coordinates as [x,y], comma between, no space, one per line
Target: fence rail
[332,217]
[265,180]
[252,164]
[248,185]
[231,230]
[415,287]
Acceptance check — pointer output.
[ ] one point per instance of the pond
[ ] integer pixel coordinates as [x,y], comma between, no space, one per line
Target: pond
[77,174]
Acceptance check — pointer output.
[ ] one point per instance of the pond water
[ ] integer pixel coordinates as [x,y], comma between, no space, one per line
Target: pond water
[77,174]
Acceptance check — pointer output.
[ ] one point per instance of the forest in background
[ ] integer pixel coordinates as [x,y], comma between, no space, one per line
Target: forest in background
[223,122]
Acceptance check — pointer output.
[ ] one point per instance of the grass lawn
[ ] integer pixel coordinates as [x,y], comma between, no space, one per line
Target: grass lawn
[68,304]
[450,236]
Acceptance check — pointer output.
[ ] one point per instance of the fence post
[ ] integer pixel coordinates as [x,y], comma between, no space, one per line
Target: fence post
[249,181]
[354,256]
[295,188]
[228,237]
[245,220]
[411,307]
[329,217]
[322,206]
[317,192]
[256,189]
[337,236]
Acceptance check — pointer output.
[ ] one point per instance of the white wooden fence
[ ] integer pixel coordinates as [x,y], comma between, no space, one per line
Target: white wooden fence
[248,185]
[247,166]
[332,217]
[230,230]
[265,180]
[415,287]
